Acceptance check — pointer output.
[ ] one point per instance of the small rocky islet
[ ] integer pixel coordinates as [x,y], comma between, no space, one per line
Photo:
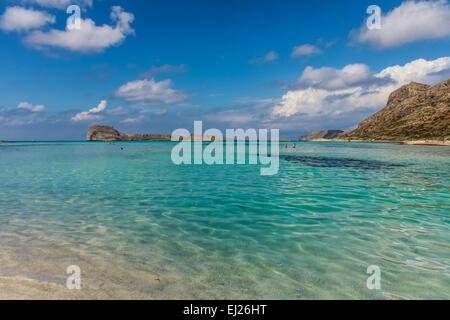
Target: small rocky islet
[108,133]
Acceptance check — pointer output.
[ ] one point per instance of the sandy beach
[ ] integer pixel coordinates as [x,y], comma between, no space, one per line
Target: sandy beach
[428,143]
[407,142]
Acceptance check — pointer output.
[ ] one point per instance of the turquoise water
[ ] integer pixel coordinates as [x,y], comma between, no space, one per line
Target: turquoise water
[140,227]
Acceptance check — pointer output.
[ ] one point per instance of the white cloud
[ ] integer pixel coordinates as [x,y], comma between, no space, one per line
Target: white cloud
[59,4]
[411,21]
[119,111]
[123,19]
[150,91]
[90,38]
[99,108]
[158,112]
[271,56]
[332,79]
[331,92]
[24,114]
[133,120]
[305,50]
[419,70]
[92,114]
[21,19]
[30,107]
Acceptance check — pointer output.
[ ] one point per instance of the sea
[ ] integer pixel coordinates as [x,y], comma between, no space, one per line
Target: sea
[340,220]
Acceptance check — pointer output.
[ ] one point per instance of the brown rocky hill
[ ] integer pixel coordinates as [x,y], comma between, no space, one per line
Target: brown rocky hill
[107,133]
[322,135]
[413,112]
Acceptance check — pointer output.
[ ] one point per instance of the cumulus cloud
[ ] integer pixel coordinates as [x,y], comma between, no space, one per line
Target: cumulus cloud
[271,56]
[59,4]
[331,92]
[90,38]
[419,70]
[30,107]
[352,75]
[150,91]
[305,50]
[92,114]
[21,19]
[411,21]
[164,69]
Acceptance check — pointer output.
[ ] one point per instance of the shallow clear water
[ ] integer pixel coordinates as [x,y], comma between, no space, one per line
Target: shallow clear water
[141,227]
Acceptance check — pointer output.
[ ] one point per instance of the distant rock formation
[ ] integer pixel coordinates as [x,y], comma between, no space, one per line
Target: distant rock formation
[322,135]
[104,133]
[413,112]
[108,133]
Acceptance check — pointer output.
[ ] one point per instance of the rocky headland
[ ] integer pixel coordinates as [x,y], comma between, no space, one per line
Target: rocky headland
[415,113]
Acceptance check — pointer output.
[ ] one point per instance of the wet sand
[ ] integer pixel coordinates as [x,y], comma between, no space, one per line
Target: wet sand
[19,288]
[40,274]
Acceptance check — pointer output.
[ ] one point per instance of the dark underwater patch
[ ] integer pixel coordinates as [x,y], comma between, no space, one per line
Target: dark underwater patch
[325,162]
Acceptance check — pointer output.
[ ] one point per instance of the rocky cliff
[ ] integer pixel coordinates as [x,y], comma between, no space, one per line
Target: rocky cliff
[413,112]
[322,135]
[107,133]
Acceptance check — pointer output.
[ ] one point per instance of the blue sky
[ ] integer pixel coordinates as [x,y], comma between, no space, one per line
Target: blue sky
[155,66]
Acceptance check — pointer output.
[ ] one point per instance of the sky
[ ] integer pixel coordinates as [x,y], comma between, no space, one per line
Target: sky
[156,66]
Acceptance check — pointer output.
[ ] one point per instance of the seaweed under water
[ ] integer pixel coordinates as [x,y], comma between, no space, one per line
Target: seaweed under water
[325,162]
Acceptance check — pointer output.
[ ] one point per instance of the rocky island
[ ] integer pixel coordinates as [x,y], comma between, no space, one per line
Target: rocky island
[108,133]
